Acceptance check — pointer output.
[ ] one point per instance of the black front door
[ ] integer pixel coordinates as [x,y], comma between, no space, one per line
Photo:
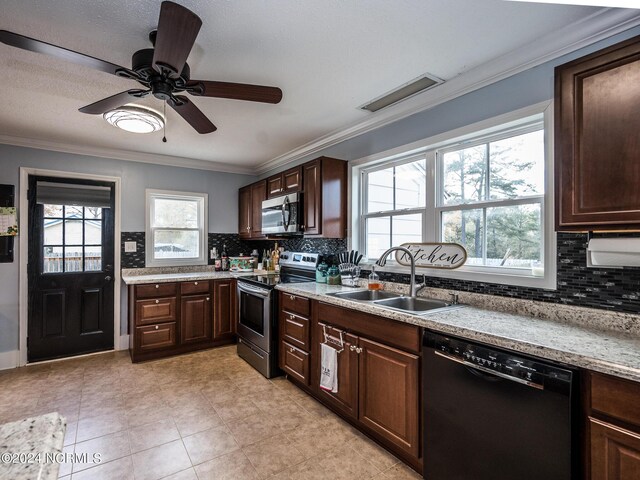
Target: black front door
[70,270]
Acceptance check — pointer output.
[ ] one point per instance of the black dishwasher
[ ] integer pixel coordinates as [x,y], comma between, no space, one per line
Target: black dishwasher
[492,414]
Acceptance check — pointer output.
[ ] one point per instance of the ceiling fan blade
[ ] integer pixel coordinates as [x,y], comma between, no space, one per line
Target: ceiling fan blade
[192,114]
[178,28]
[236,91]
[33,45]
[114,101]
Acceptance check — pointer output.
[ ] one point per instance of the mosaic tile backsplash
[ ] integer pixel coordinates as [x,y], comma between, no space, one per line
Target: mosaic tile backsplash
[610,289]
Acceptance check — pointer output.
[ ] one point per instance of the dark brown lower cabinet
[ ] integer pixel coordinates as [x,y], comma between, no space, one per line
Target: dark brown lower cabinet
[225,312]
[195,318]
[172,318]
[346,398]
[389,398]
[378,373]
[613,428]
[615,452]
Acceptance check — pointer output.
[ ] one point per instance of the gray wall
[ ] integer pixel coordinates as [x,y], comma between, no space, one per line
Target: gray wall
[521,90]
[221,187]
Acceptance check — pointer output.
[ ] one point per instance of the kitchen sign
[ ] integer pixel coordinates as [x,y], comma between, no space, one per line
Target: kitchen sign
[433,255]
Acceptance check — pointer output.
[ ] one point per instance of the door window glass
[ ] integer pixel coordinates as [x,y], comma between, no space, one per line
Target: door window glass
[72,239]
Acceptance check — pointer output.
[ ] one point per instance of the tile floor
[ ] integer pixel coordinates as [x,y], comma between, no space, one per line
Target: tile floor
[206,415]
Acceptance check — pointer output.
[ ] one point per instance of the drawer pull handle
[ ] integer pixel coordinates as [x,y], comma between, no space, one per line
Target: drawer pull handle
[195,283]
[352,348]
[157,327]
[291,317]
[208,299]
[157,301]
[291,349]
[292,297]
[358,350]
[157,286]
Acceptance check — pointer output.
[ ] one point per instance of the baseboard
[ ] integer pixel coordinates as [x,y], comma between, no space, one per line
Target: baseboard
[9,359]
[124,343]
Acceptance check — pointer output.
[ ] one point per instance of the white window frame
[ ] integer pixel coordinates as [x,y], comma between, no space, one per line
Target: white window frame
[203,215]
[388,213]
[459,138]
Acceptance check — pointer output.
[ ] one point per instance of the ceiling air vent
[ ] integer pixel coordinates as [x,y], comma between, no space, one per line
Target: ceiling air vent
[420,84]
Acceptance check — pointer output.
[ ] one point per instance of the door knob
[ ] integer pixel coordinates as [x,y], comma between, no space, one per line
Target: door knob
[107,278]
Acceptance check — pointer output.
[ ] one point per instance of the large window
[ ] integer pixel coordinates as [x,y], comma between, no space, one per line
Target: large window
[486,190]
[176,232]
[491,197]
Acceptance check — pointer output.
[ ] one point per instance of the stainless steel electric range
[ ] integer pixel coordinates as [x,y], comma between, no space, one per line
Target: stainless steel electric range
[258,310]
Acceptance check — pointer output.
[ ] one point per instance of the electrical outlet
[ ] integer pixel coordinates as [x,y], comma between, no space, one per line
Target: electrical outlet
[130,247]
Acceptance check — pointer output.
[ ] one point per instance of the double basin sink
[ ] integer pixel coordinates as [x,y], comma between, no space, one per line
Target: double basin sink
[396,301]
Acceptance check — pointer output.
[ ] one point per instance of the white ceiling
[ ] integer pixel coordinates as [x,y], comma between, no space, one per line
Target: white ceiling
[328,56]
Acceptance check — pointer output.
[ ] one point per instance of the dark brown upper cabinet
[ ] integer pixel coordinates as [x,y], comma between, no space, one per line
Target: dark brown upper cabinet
[289,181]
[597,145]
[325,198]
[250,209]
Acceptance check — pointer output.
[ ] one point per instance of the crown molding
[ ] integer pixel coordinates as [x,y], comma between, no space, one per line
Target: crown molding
[598,26]
[126,155]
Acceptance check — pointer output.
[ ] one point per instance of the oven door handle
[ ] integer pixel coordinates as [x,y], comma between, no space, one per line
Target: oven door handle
[251,289]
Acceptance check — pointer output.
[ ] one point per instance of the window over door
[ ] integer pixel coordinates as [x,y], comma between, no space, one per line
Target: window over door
[176,232]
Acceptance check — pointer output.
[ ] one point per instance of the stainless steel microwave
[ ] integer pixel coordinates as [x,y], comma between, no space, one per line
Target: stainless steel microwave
[282,215]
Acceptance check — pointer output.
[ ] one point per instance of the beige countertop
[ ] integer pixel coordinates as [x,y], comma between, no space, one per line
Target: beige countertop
[598,340]
[138,276]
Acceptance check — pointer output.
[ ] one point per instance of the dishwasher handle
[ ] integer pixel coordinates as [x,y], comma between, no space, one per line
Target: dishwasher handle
[488,370]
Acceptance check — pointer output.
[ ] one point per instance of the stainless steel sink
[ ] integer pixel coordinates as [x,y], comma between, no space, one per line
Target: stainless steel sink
[413,305]
[396,301]
[366,295]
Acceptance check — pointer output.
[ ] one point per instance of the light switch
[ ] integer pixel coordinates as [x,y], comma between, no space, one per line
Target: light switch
[130,247]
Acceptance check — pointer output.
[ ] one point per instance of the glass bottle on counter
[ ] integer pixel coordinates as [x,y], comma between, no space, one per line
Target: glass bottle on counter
[224,258]
[275,258]
[374,280]
[217,261]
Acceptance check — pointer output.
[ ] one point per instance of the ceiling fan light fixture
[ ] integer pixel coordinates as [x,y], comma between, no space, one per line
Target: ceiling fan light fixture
[135,119]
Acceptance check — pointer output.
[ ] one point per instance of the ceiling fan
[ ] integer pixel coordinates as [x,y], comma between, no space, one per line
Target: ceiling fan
[162,70]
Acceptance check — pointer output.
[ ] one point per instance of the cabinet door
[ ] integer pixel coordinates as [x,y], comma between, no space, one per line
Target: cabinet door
[389,398]
[244,212]
[195,319]
[346,398]
[258,195]
[274,186]
[615,452]
[292,180]
[596,138]
[312,198]
[225,309]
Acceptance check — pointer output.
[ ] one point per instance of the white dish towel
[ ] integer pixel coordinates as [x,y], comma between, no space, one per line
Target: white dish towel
[329,369]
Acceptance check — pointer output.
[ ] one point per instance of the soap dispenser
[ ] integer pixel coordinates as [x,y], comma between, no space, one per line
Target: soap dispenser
[374,280]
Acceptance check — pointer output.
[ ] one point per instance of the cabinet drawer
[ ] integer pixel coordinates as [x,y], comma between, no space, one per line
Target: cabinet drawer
[295,304]
[156,290]
[390,332]
[153,337]
[155,310]
[616,397]
[193,288]
[295,362]
[295,330]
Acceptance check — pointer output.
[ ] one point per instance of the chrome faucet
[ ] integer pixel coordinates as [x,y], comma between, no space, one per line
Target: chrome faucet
[413,288]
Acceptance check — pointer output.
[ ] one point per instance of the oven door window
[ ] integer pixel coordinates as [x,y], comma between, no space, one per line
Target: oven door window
[252,312]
